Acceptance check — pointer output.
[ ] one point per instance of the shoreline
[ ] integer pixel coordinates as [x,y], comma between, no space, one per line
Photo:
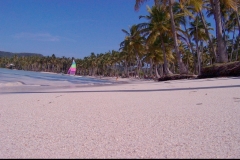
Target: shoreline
[29,82]
[22,87]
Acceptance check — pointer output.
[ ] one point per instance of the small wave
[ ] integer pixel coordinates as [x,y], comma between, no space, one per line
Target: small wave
[14,84]
[18,83]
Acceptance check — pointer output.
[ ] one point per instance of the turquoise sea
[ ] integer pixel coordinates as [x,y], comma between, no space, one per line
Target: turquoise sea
[29,80]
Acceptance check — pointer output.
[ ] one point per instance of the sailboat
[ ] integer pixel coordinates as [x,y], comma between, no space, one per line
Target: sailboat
[72,69]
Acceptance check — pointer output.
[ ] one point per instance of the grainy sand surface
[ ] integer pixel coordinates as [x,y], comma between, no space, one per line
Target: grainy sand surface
[141,119]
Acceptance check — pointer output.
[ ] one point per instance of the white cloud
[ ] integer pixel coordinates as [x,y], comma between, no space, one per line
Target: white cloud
[37,36]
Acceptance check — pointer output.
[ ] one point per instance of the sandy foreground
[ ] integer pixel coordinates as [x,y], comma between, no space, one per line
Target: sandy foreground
[140,119]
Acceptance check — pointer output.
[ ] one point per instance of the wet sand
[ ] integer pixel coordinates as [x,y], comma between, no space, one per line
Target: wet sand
[139,119]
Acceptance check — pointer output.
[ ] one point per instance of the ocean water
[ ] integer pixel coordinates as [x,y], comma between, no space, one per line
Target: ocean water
[12,80]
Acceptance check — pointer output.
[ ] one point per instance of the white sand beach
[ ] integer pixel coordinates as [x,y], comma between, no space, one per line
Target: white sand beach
[141,119]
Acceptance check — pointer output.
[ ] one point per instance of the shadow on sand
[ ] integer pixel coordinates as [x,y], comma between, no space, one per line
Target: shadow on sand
[149,90]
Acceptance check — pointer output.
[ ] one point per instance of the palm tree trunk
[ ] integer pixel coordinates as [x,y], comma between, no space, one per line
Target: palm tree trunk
[221,45]
[151,67]
[182,67]
[161,68]
[137,69]
[126,68]
[238,38]
[156,71]
[208,35]
[173,64]
[187,65]
[189,39]
[238,22]
[198,58]
[232,43]
[166,69]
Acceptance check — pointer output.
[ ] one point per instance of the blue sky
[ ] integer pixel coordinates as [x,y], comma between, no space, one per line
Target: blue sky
[70,28]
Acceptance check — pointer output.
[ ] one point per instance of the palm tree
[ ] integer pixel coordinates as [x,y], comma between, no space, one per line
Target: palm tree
[231,26]
[157,28]
[188,56]
[198,32]
[197,7]
[169,4]
[216,9]
[221,47]
[134,45]
[92,59]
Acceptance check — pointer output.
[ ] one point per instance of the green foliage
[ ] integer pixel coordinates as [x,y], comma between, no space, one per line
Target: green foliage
[10,54]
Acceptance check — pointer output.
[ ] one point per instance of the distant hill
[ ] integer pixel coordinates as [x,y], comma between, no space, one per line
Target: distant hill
[10,54]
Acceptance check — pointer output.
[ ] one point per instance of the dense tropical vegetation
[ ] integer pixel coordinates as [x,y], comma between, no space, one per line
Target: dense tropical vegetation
[176,38]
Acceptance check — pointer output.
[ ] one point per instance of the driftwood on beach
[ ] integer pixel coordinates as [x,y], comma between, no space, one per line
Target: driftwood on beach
[221,70]
[177,76]
[217,70]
